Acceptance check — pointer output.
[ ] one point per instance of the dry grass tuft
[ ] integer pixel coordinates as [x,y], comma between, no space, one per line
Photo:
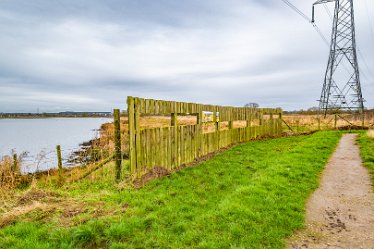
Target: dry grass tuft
[11,216]
[6,200]
[34,195]
[37,204]
[8,173]
[371,133]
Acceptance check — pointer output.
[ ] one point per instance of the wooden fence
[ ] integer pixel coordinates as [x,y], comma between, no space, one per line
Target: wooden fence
[297,123]
[176,145]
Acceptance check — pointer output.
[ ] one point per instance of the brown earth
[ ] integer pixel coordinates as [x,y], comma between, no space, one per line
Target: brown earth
[340,213]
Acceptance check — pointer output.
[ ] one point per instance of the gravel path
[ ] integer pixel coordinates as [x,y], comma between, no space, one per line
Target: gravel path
[340,213]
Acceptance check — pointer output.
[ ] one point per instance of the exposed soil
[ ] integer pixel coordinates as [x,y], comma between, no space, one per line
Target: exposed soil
[153,173]
[352,127]
[340,213]
[294,134]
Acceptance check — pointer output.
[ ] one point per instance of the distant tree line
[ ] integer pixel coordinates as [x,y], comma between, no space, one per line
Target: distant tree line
[58,114]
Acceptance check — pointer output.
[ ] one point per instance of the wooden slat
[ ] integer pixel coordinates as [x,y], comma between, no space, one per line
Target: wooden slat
[137,133]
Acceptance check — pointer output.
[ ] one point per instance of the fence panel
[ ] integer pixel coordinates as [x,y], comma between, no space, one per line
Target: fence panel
[176,145]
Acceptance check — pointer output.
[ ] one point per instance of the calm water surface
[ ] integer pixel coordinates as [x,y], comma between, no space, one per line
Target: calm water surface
[38,138]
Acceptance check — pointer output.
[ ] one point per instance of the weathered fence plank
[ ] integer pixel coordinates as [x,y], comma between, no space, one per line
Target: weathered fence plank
[132,148]
[117,142]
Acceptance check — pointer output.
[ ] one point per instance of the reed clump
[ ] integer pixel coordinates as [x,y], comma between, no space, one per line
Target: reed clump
[9,172]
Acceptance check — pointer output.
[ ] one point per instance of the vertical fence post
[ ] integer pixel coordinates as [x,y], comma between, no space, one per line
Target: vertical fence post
[216,120]
[174,124]
[363,119]
[280,124]
[271,125]
[199,132]
[139,163]
[231,126]
[319,122]
[117,143]
[174,119]
[217,127]
[260,119]
[132,148]
[231,123]
[249,119]
[335,121]
[297,125]
[15,161]
[59,160]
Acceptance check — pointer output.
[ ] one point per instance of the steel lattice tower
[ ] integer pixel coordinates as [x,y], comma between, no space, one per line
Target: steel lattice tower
[341,88]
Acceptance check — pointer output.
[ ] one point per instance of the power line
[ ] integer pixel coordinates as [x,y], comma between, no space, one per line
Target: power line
[367,67]
[304,16]
[363,59]
[297,10]
[328,11]
[372,36]
[309,20]
[321,34]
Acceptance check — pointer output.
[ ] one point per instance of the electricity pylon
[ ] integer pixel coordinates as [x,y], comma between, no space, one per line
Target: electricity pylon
[341,87]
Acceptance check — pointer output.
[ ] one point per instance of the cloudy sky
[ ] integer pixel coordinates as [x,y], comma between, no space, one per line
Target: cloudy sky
[89,55]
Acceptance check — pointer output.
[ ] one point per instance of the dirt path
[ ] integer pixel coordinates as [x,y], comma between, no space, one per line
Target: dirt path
[340,213]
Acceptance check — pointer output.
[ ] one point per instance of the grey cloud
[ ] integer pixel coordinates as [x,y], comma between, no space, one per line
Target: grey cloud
[163,12]
[89,55]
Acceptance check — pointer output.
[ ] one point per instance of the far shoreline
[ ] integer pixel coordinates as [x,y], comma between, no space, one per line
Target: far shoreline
[49,117]
[56,115]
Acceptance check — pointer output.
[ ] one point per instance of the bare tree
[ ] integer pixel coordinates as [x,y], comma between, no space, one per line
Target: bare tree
[252,105]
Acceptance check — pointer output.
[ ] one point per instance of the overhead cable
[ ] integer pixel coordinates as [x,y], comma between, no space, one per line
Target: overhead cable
[297,10]
[309,20]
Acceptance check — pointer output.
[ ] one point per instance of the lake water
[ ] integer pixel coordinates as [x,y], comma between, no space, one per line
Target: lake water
[39,137]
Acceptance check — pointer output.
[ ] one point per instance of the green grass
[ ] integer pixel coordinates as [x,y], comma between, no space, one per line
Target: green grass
[251,196]
[366,144]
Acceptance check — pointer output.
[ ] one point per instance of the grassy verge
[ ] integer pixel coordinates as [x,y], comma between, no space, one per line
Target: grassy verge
[366,143]
[251,196]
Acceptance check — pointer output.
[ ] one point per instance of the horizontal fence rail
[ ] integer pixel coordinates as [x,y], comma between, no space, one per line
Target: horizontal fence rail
[177,145]
[301,123]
